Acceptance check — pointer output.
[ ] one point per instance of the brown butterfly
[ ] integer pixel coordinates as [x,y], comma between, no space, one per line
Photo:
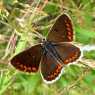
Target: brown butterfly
[52,53]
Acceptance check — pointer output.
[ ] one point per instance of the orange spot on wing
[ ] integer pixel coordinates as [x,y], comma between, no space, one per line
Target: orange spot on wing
[29,68]
[21,66]
[25,68]
[69,37]
[34,69]
[68,29]
[69,33]
[67,25]
[66,61]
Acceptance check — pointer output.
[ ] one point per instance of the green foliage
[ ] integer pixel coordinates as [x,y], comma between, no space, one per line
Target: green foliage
[84,36]
[20,20]
[51,9]
[90,54]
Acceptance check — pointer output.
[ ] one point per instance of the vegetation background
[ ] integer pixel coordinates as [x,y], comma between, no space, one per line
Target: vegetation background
[19,19]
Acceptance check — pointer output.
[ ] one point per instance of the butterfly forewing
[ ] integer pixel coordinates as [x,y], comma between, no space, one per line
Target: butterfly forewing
[50,68]
[62,30]
[28,60]
[67,52]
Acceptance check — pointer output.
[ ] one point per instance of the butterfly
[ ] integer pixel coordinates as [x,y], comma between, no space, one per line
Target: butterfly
[52,54]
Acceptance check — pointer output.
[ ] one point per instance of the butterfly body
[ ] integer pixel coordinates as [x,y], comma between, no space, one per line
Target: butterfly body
[49,47]
[51,54]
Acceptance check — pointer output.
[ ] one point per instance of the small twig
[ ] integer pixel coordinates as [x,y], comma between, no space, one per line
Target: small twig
[10,45]
[40,8]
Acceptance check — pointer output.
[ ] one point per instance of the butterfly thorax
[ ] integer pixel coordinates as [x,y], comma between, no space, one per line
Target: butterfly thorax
[49,47]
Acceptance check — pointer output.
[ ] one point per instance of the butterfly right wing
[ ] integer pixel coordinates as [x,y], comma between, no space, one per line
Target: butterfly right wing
[67,52]
[28,60]
[62,30]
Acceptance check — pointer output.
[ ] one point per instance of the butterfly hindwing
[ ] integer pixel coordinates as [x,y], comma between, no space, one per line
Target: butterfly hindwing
[50,68]
[67,52]
[62,30]
[28,60]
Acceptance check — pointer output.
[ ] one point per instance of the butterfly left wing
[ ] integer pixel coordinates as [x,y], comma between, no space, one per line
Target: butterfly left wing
[51,68]
[68,52]
[28,60]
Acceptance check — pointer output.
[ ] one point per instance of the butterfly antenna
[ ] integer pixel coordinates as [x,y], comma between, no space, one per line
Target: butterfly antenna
[40,36]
